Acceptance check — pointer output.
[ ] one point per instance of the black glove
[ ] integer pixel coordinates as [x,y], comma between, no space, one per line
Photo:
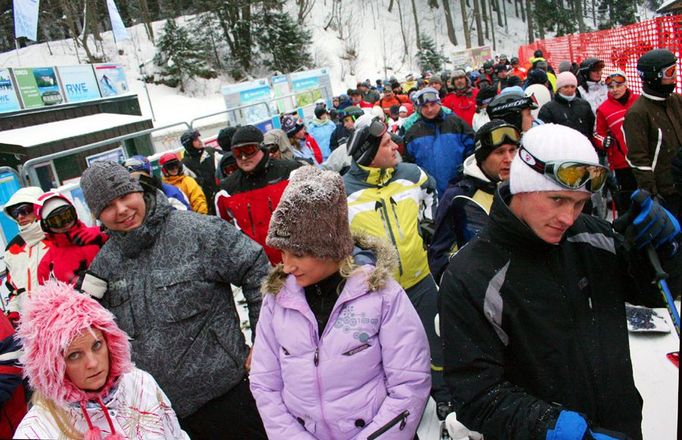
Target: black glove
[647,222]
[608,142]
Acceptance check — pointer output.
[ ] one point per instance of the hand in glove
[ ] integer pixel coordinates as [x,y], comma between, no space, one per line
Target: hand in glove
[608,142]
[647,222]
[87,236]
[572,426]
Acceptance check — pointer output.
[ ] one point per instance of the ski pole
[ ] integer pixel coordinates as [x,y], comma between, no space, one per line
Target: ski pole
[660,277]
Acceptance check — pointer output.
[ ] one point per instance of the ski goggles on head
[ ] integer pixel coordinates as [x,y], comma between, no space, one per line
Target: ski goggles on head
[245,151]
[377,128]
[615,79]
[427,97]
[668,72]
[61,217]
[504,134]
[568,173]
[272,148]
[23,209]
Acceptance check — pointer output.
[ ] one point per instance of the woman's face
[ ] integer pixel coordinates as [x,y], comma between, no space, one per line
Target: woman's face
[87,360]
[308,270]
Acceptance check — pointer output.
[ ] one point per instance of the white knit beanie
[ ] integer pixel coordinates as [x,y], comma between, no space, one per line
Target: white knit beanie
[566,79]
[548,142]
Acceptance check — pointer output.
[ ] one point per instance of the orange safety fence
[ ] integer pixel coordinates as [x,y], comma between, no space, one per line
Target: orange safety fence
[620,48]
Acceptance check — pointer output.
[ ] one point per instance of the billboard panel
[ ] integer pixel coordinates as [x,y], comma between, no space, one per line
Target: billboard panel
[38,86]
[8,93]
[79,83]
[111,79]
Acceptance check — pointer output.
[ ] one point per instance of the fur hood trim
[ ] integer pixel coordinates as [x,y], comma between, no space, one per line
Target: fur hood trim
[385,262]
[53,317]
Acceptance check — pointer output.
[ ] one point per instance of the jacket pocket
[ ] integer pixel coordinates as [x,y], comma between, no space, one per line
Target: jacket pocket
[179,296]
[398,421]
[356,350]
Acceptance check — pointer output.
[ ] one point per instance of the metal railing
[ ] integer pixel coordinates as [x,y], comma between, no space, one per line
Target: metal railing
[28,169]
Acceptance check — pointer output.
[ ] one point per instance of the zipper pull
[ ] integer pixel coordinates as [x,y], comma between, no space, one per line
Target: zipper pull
[316,358]
[403,422]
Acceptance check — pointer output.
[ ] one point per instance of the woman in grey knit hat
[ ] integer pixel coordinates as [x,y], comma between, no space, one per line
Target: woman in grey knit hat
[340,352]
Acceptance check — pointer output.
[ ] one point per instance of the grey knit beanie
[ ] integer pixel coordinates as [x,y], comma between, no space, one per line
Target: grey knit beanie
[104,181]
[312,216]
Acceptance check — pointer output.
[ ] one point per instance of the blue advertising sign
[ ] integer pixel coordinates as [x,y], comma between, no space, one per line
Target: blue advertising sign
[8,95]
[311,79]
[111,79]
[79,83]
[245,93]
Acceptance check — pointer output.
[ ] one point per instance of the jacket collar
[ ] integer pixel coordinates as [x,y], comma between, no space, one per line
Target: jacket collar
[373,176]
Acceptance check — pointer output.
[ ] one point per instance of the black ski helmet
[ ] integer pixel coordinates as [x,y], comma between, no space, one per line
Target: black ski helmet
[508,107]
[650,64]
[188,137]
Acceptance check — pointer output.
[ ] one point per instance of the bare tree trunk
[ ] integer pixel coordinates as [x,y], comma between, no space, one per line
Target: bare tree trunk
[465,24]
[402,30]
[147,19]
[449,21]
[304,8]
[496,4]
[529,16]
[479,25]
[492,25]
[504,10]
[91,19]
[71,17]
[484,17]
[578,5]
[416,25]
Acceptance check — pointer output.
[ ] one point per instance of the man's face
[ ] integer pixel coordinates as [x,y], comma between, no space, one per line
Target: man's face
[388,93]
[595,75]
[247,156]
[460,82]
[397,90]
[387,154]
[335,102]
[124,213]
[502,73]
[198,143]
[437,86]
[430,110]
[568,90]
[526,120]
[349,122]
[355,99]
[549,213]
[23,213]
[498,163]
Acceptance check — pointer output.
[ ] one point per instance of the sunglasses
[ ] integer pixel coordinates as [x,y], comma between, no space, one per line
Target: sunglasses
[172,165]
[615,79]
[61,217]
[668,72]
[21,210]
[569,174]
[504,134]
[427,97]
[245,151]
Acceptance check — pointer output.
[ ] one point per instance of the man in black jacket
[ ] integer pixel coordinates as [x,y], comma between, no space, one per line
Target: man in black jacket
[532,311]
[202,162]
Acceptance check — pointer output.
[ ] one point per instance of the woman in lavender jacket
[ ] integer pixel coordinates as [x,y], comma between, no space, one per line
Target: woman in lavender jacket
[340,352]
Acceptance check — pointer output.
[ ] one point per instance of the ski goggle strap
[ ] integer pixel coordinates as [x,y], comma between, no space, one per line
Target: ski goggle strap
[377,128]
[61,217]
[569,174]
[614,79]
[504,134]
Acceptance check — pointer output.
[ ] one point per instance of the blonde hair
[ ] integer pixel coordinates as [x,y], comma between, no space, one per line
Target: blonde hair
[60,416]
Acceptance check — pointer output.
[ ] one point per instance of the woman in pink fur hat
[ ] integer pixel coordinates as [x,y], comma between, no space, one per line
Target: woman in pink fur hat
[77,362]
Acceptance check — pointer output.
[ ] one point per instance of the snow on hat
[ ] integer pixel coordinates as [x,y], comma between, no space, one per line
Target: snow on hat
[548,142]
[105,181]
[566,79]
[312,216]
[55,315]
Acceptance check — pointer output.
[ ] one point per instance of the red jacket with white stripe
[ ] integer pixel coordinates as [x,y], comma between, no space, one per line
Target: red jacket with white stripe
[610,116]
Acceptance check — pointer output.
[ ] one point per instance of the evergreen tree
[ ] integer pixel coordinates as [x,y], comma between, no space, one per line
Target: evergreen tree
[284,43]
[428,57]
[179,58]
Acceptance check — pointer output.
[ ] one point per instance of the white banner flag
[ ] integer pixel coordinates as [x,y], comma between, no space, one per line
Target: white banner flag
[26,19]
[120,32]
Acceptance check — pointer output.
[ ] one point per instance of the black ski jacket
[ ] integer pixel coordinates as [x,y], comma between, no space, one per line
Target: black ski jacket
[202,163]
[530,329]
[576,114]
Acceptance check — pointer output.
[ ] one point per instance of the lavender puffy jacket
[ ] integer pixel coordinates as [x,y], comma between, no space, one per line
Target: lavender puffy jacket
[369,370]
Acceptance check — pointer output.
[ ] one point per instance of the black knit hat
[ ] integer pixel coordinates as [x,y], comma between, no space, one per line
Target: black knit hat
[247,135]
[485,95]
[225,137]
[483,146]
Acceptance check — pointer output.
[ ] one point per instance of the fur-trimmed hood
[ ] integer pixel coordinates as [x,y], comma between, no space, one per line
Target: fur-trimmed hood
[55,315]
[368,251]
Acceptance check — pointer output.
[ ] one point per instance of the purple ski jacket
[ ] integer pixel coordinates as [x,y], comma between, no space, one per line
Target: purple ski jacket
[369,372]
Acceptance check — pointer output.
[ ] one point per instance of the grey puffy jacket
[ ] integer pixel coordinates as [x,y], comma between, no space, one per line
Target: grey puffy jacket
[169,287]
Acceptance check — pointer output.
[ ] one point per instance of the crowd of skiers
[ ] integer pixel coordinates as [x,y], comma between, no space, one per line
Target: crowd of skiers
[431,237]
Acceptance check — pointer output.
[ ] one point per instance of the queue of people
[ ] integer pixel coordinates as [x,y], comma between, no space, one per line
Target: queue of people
[432,241]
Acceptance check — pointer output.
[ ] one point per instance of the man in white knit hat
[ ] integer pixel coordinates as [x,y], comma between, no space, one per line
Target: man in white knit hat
[532,311]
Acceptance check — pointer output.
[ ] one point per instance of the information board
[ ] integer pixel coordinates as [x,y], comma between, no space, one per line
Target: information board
[8,93]
[79,83]
[38,87]
[245,93]
[311,79]
[111,79]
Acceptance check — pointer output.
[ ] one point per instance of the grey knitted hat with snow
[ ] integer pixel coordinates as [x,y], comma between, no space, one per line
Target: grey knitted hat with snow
[312,216]
[105,181]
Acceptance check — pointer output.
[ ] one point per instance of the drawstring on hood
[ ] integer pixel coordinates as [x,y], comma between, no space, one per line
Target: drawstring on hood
[54,316]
